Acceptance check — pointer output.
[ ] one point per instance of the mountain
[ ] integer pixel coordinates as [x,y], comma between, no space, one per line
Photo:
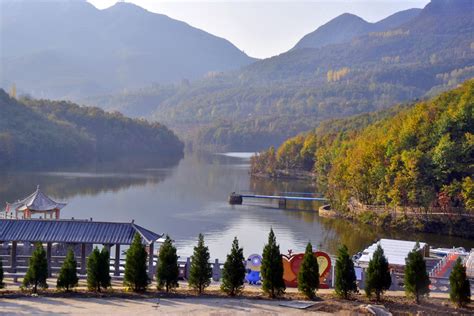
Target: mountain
[419,156]
[271,100]
[348,26]
[66,49]
[43,133]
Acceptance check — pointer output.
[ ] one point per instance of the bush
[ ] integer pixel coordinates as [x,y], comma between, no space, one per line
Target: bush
[201,272]
[345,279]
[98,270]
[234,270]
[378,274]
[417,281]
[37,270]
[136,277]
[67,278]
[460,292]
[308,276]
[272,268]
[167,271]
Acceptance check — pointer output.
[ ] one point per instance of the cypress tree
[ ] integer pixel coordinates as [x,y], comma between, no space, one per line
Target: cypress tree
[200,272]
[378,274]
[460,289]
[345,279]
[98,270]
[417,281]
[37,270]
[67,278]
[93,278]
[136,277]
[2,285]
[234,270]
[167,271]
[272,268]
[104,268]
[308,276]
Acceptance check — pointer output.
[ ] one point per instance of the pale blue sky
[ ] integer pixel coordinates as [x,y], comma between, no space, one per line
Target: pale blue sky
[265,28]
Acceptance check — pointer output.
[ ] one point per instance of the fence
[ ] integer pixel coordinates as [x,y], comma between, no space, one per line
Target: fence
[356,206]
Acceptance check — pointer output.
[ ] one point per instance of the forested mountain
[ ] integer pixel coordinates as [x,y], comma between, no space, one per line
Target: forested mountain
[276,98]
[68,48]
[423,156]
[347,26]
[44,133]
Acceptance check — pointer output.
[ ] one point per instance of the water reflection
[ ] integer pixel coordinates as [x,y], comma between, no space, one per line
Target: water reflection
[191,197]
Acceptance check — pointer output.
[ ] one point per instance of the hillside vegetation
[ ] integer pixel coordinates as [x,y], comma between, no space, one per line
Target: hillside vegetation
[423,156]
[44,133]
[279,97]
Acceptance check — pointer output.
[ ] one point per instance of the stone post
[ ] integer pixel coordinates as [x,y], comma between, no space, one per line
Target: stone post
[48,257]
[13,257]
[117,260]
[216,271]
[83,258]
[188,268]
[150,261]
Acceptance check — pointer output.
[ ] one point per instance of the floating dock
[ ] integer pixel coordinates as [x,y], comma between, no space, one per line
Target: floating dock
[237,199]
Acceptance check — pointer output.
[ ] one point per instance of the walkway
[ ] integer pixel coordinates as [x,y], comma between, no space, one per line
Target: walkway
[166,306]
[445,270]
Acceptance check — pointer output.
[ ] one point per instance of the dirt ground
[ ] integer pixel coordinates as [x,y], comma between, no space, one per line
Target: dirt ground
[184,301]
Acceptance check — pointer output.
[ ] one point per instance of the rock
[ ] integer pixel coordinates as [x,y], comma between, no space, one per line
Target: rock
[378,310]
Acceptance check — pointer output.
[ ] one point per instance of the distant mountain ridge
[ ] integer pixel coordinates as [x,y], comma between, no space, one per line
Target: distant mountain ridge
[273,99]
[347,26]
[69,48]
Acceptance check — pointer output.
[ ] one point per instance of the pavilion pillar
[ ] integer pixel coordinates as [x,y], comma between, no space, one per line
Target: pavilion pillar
[117,260]
[150,261]
[13,257]
[107,246]
[48,257]
[83,258]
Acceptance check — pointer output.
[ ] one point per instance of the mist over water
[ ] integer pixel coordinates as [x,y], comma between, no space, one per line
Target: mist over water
[191,198]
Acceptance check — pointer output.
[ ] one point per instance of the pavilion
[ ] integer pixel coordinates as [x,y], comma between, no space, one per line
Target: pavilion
[35,203]
[73,232]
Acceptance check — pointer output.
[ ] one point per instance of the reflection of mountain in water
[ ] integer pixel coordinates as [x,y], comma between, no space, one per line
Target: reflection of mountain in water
[89,181]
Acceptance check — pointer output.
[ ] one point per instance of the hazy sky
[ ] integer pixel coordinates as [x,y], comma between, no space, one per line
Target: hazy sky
[265,28]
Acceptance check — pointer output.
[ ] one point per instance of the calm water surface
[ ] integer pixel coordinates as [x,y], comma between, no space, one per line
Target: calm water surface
[191,198]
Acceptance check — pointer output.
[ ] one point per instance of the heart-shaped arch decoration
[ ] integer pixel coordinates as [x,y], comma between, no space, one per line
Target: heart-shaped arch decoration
[291,268]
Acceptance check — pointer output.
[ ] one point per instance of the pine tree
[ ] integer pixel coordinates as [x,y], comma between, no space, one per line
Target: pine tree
[136,277]
[67,278]
[460,289]
[378,275]
[233,273]
[345,279]
[37,270]
[272,268]
[104,268]
[98,270]
[167,271]
[417,281]
[93,278]
[2,285]
[308,276]
[200,272]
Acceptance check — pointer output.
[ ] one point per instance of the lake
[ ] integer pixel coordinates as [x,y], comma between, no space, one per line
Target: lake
[191,198]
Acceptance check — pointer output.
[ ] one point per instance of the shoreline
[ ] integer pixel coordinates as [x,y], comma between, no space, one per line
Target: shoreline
[441,224]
